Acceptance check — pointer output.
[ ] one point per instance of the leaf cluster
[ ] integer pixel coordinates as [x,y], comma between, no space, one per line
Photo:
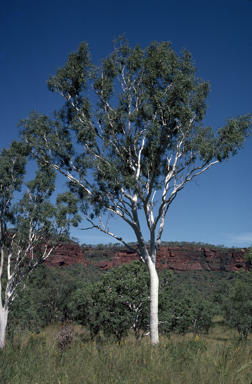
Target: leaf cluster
[146,130]
[120,301]
[30,227]
[237,307]
[117,303]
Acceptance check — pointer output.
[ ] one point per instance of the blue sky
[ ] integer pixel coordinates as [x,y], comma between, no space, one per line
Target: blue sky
[36,38]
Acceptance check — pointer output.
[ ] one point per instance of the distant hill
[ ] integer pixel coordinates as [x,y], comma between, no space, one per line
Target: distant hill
[173,256]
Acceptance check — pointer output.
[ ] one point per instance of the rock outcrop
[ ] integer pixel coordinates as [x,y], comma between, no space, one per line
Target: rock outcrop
[67,254]
[180,258]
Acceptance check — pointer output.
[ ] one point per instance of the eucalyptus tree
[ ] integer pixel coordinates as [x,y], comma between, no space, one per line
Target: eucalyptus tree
[142,143]
[29,228]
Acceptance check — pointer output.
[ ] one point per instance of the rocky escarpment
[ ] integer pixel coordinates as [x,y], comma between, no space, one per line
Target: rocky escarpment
[184,259]
[180,258]
[66,254]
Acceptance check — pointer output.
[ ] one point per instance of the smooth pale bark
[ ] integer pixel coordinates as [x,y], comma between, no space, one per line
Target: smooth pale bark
[3,326]
[154,285]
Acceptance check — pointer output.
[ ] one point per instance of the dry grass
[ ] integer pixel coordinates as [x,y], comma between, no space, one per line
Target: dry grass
[214,358]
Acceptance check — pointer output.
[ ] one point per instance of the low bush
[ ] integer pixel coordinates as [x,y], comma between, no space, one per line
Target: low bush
[65,336]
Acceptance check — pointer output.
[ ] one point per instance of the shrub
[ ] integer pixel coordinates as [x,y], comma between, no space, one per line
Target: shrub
[65,336]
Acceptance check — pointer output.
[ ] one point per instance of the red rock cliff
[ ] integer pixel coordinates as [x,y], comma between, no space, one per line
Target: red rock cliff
[186,258]
[67,254]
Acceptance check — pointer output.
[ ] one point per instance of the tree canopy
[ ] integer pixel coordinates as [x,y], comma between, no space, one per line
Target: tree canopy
[237,306]
[141,144]
[149,138]
[117,303]
[29,228]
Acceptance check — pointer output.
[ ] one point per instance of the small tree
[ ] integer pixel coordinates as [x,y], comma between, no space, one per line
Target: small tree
[238,305]
[135,152]
[203,312]
[124,295]
[183,309]
[117,303]
[37,224]
[52,289]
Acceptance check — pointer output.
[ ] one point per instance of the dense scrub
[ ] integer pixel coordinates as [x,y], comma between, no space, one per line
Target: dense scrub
[50,294]
[191,352]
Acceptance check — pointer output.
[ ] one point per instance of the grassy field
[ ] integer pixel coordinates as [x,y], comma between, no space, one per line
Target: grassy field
[216,358]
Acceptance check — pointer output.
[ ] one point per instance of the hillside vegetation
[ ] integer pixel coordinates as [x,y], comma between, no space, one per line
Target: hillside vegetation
[204,337]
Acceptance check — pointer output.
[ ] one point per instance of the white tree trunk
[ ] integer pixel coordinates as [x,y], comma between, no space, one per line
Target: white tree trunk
[3,326]
[154,285]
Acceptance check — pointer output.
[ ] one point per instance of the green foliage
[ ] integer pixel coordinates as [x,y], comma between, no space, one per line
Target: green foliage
[150,108]
[12,172]
[47,297]
[210,285]
[24,314]
[38,226]
[82,304]
[146,135]
[38,223]
[34,207]
[12,168]
[118,302]
[248,258]
[183,308]
[174,313]
[53,287]
[199,244]
[186,303]
[203,312]
[237,306]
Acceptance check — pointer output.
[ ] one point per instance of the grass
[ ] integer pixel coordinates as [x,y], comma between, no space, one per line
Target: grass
[215,358]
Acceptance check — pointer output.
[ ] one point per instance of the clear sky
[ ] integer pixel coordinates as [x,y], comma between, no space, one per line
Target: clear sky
[37,36]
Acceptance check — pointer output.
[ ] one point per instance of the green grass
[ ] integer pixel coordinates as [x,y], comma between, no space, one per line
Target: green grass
[216,358]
